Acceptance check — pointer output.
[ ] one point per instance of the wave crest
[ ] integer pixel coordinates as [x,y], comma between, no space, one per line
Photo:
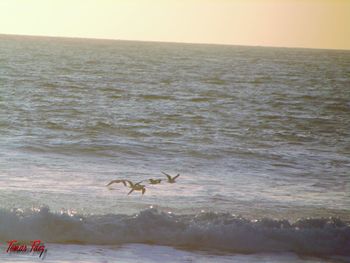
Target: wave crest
[318,236]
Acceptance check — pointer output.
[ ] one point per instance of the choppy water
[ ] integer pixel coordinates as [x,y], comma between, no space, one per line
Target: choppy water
[256,132]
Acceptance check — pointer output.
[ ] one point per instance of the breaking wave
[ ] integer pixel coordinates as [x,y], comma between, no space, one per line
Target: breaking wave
[224,232]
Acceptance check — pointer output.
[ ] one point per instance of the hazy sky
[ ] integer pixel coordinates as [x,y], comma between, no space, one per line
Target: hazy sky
[288,23]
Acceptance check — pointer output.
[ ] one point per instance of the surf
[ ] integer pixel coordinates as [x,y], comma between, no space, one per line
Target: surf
[321,237]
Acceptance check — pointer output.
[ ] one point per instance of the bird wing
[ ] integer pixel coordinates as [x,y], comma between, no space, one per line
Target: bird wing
[114,182]
[176,176]
[131,184]
[169,177]
[124,182]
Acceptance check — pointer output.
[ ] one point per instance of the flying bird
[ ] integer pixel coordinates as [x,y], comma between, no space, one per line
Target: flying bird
[119,181]
[154,181]
[171,180]
[137,187]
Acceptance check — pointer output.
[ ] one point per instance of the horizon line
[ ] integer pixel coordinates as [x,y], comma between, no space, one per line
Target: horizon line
[171,42]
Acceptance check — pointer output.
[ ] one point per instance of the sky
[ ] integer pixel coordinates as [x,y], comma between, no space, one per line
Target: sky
[283,23]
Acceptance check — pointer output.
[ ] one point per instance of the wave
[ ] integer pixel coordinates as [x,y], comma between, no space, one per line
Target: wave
[212,231]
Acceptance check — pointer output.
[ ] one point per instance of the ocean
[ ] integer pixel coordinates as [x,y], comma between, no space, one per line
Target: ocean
[260,137]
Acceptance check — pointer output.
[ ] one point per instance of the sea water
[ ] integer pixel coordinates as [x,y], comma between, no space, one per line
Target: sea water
[259,136]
